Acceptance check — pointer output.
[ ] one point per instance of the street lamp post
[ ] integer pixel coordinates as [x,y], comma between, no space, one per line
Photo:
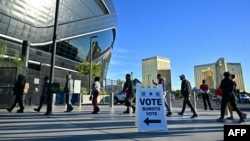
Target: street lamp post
[53,54]
[90,62]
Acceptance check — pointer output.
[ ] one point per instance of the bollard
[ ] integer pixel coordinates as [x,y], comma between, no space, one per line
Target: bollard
[79,99]
[169,100]
[54,100]
[111,100]
[194,99]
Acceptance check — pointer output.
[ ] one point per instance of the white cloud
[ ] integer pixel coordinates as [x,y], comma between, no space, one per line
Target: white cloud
[119,57]
[120,50]
[117,62]
[117,75]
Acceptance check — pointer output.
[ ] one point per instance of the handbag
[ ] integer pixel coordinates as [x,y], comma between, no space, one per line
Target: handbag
[26,88]
[90,97]
[219,92]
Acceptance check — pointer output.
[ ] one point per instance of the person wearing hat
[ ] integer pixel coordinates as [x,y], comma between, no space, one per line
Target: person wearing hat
[44,93]
[69,90]
[186,91]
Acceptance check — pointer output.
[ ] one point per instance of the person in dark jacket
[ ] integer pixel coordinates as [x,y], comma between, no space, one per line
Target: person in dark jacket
[230,108]
[186,91]
[18,92]
[44,93]
[128,90]
[227,86]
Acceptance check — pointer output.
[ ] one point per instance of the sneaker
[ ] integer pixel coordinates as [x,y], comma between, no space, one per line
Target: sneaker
[194,116]
[230,118]
[220,120]
[244,115]
[241,121]
[8,109]
[126,112]
[169,114]
[211,108]
[133,109]
[35,109]
[180,114]
[48,114]
[19,111]
[69,109]
[94,112]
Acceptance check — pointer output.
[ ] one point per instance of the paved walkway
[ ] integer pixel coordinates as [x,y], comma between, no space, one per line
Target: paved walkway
[110,124]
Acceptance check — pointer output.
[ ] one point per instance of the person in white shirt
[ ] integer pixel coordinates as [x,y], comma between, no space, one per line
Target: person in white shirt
[69,90]
[95,91]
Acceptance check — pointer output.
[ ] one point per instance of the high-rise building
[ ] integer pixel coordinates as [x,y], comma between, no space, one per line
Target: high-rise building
[82,24]
[213,73]
[154,65]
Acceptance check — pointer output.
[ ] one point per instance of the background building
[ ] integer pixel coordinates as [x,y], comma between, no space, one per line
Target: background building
[213,73]
[154,65]
[81,24]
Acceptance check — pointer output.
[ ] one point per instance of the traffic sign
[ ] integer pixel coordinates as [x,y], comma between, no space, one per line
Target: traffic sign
[150,110]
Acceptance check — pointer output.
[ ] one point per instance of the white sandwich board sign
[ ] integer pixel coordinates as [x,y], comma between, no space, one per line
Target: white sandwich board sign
[77,86]
[150,110]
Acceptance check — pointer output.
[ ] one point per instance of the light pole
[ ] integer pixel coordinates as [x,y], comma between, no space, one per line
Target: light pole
[90,62]
[53,54]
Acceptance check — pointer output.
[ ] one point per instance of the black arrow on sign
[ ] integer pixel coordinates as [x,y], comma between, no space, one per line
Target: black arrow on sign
[147,121]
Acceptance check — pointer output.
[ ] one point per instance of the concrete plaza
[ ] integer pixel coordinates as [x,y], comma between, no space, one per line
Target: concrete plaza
[109,124]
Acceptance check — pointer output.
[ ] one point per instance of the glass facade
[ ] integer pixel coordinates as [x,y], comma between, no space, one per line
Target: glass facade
[78,20]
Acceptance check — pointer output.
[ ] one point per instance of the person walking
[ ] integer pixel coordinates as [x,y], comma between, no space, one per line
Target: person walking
[185,92]
[227,86]
[128,90]
[18,93]
[69,90]
[204,91]
[164,86]
[95,91]
[44,95]
[230,108]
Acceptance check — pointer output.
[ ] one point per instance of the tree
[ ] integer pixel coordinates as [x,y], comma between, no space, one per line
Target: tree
[3,48]
[11,61]
[96,70]
[16,59]
[83,68]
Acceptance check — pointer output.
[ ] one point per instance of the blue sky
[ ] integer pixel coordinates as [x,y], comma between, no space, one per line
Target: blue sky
[188,32]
